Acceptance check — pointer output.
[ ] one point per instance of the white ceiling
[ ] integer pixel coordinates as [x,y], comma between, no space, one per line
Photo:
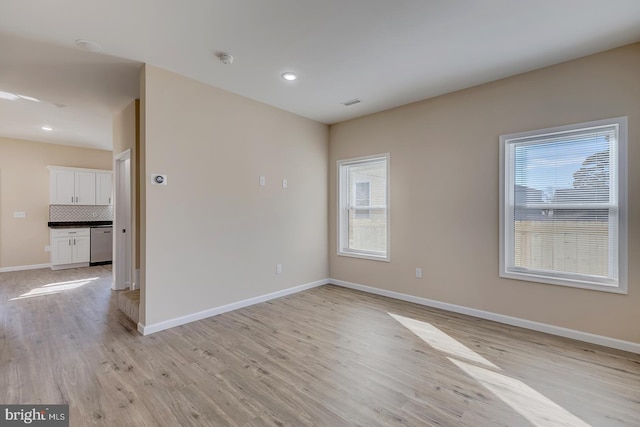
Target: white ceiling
[387,53]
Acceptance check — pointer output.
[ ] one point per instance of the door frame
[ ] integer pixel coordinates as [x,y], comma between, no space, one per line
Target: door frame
[122,243]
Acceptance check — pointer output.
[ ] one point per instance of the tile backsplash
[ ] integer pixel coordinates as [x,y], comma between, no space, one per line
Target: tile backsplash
[62,213]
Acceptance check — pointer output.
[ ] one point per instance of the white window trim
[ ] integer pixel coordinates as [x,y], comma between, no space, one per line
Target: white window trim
[342,220]
[622,196]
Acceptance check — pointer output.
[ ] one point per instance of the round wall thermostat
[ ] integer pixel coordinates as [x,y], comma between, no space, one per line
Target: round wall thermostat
[158,179]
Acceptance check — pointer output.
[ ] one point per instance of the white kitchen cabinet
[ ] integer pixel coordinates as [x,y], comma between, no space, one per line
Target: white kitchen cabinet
[61,250]
[74,186]
[70,247]
[85,186]
[63,187]
[104,188]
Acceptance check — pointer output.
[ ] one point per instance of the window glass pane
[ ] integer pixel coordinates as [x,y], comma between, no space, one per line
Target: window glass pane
[363,193]
[575,170]
[368,227]
[563,240]
[368,230]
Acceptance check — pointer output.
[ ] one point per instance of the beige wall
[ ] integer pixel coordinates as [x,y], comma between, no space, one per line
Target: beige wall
[213,235]
[444,190]
[24,186]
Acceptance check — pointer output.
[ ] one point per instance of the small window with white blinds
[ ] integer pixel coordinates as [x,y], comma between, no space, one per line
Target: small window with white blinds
[563,205]
[363,217]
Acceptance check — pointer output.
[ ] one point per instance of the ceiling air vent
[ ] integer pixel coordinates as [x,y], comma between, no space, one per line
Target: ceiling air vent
[350,102]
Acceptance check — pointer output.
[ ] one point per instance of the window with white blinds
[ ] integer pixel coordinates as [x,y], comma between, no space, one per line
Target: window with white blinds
[363,218]
[563,205]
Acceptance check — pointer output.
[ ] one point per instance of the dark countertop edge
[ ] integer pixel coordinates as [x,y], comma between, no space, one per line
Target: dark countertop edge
[78,224]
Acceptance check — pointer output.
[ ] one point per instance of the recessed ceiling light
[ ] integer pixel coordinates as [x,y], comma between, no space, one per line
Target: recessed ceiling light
[47,128]
[29,98]
[14,96]
[8,95]
[289,76]
[88,45]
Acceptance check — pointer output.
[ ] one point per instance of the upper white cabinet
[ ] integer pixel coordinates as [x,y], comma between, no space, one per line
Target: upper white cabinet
[85,187]
[73,186]
[104,188]
[63,188]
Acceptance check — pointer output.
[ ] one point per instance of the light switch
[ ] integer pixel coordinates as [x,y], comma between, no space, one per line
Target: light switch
[263,180]
[284,183]
[19,214]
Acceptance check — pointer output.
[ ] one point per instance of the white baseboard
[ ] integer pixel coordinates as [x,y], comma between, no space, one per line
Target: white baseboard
[160,326]
[501,318]
[24,267]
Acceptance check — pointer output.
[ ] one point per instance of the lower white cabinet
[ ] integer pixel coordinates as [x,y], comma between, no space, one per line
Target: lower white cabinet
[70,247]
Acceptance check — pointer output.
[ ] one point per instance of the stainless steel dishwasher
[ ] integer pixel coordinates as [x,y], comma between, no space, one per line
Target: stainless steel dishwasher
[101,245]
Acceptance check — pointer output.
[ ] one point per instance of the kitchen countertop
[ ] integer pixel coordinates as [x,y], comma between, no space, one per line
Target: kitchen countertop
[79,224]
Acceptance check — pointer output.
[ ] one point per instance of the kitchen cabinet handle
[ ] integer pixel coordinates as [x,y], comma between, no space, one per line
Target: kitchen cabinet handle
[69,242]
[71,199]
[74,242]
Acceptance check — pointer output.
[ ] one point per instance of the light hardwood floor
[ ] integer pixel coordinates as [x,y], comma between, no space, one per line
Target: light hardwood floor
[324,357]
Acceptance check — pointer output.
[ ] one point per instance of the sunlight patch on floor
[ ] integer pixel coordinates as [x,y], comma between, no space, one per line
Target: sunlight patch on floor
[54,288]
[441,341]
[532,405]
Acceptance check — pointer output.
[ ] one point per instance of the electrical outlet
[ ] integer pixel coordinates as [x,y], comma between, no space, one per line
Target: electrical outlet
[47,248]
[418,273]
[19,214]
[278,268]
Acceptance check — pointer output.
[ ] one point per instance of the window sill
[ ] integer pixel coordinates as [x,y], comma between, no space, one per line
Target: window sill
[571,283]
[365,256]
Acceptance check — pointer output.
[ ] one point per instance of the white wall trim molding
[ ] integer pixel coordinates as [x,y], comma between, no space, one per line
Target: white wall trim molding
[500,318]
[161,326]
[24,267]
